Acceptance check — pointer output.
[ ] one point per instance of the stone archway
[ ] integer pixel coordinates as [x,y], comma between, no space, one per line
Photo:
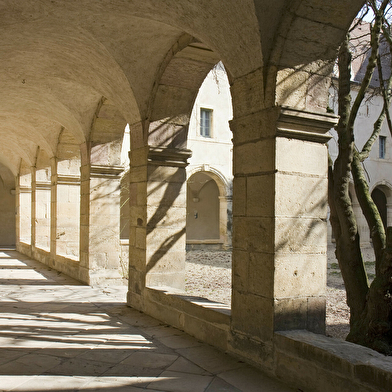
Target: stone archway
[382,197]
[208,210]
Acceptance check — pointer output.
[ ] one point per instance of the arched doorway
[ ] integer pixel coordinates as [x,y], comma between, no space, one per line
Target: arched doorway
[208,212]
[380,201]
[202,221]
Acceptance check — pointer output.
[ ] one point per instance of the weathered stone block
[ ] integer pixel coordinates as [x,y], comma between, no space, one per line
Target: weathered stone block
[248,100]
[301,196]
[137,216]
[137,259]
[300,235]
[292,88]
[138,157]
[256,157]
[136,284]
[205,331]
[165,239]
[299,156]
[239,196]
[140,238]
[260,192]
[309,377]
[290,313]
[165,261]
[255,126]
[166,194]
[300,313]
[261,274]
[252,315]
[171,279]
[377,373]
[138,174]
[166,174]
[254,350]
[240,270]
[317,310]
[159,216]
[300,275]
[132,236]
[255,234]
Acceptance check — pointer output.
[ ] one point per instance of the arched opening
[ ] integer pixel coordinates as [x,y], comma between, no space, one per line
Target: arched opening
[209,194]
[24,204]
[68,196]
[42,189]
[202,220]
[380,200]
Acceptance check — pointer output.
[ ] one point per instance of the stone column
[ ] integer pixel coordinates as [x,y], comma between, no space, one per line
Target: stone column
[42,215]
[100,222]
[17,212]
[53,208]
[33,208]
[23,211]
[157,220]
[279,226]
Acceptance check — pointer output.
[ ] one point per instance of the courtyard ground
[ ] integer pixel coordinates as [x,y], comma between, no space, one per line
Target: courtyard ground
[59,335]
[208,275]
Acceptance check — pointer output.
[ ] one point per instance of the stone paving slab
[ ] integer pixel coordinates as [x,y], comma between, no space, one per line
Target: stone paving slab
[61,336]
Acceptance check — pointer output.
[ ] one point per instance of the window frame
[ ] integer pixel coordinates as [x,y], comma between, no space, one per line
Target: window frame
[382,144]
[202,126]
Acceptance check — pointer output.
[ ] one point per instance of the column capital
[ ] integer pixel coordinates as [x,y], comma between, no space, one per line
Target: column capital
[165,156]
[305,125]
[65,179]
[24,188]
[43,185]
[105,171]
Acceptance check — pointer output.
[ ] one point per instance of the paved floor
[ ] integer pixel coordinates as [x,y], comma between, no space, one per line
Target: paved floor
[58,335]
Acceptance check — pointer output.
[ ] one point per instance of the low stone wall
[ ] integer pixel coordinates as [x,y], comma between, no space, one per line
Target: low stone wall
[317,363]
[62,264]
[302,359]
[23,248]
[204,319]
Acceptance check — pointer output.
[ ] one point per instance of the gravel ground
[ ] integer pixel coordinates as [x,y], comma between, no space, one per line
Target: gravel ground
[208,275]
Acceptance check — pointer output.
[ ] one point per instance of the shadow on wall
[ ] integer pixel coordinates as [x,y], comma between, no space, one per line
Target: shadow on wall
[163,215]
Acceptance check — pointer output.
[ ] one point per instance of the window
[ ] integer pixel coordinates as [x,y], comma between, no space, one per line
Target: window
[205,122]
[382,146]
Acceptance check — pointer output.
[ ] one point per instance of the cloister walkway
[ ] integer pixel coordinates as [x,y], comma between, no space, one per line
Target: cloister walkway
[59,335]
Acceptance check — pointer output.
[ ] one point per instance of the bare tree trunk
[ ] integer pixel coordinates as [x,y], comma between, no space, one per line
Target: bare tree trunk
[374,328]
[370,308]
[343,220]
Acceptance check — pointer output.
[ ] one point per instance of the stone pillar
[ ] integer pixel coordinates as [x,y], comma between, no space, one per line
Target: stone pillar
[33,208]
[157,220]
[42,215]
[17,212]
[279,226]
[53,208]
[23,197]
[100,222]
